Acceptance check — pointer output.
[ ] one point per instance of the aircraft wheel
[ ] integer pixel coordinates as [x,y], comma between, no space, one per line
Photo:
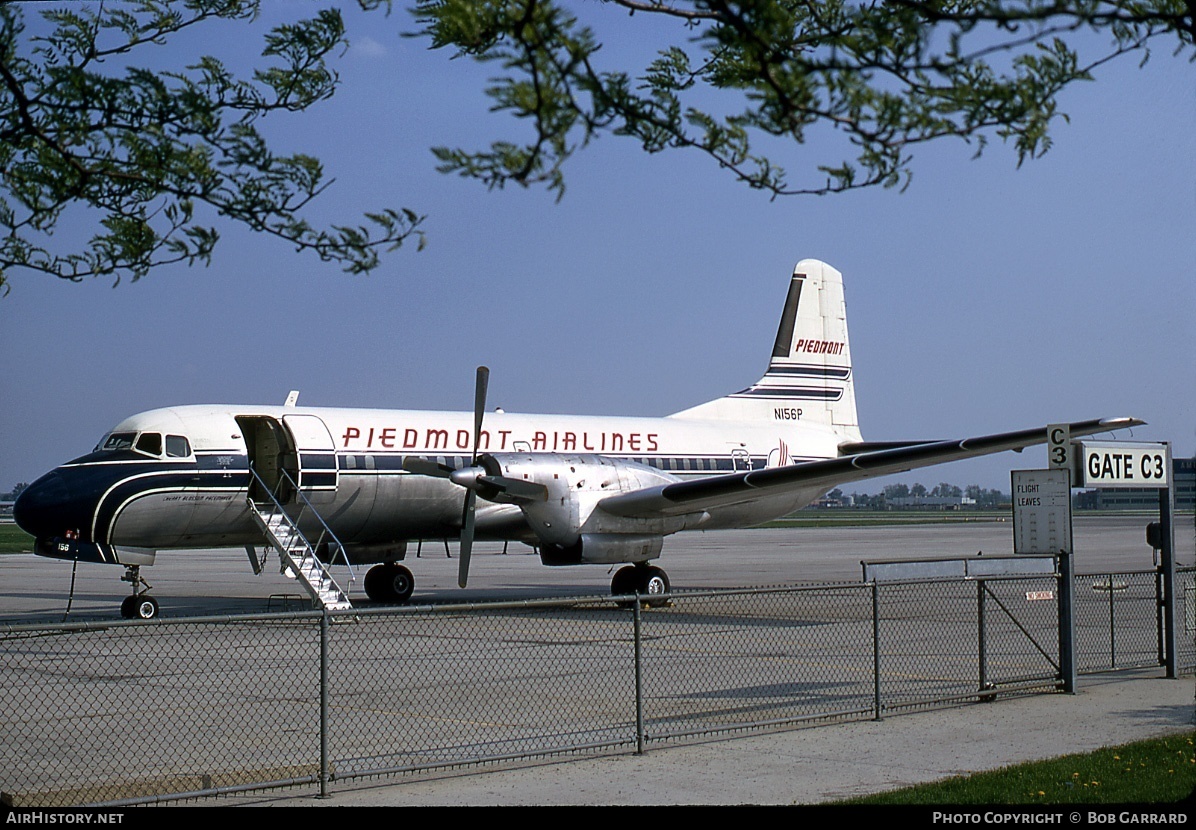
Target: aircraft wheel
[650,582]
[402,583]
[139,608]
[373,588]
[625,581]
[389,583]
[654,583]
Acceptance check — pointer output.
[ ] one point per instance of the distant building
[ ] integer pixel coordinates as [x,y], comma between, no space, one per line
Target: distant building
[1183,485]
[931,502]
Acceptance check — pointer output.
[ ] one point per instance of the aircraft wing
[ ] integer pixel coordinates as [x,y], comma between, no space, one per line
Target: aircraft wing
[735,488]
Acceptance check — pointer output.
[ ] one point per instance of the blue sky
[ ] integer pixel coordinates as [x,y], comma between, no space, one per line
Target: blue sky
[984,298]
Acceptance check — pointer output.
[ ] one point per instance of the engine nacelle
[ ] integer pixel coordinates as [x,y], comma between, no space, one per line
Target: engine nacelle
[604,549]
[569,526]
[364,554]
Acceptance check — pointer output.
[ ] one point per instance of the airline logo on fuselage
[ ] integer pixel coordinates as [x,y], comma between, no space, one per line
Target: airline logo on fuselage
[804,346]
[503,440]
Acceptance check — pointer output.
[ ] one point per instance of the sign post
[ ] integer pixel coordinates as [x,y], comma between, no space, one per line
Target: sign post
[1042,520]
[1166,514]
[1138,465]
[1042,525]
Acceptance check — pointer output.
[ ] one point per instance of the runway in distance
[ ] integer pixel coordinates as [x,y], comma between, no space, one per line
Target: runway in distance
[358,485]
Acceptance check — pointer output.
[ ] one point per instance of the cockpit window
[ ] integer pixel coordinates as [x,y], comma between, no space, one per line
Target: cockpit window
[117,441]
[149,443]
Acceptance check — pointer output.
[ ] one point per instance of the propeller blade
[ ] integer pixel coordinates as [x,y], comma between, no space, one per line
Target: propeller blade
[479,407]
[513,490]
[468,477]
[425,467]
[467,521]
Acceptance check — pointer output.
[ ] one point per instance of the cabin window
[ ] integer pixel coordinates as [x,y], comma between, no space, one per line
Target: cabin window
[177,446]
[149,443]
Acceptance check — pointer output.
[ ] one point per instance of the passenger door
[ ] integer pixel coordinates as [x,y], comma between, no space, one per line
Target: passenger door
[316,457]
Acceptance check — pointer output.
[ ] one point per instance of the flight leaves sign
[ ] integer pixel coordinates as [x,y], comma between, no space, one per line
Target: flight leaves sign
[1123,464]
[1041,511]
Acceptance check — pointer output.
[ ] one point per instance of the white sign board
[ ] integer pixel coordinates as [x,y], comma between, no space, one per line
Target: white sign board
[1122,464]
[1041,511]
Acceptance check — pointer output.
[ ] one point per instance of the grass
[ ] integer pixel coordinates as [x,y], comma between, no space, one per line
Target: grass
[15,540]
[1157,771]
[868,518]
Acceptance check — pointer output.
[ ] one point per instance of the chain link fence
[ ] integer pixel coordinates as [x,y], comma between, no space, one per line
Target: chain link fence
[127,713]
[1118,621]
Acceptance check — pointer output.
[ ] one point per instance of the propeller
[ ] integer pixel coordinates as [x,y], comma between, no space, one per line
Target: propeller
[471,493]
[477,479]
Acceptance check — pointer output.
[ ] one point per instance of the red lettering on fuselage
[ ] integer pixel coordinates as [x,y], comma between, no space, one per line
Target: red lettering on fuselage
[436,438]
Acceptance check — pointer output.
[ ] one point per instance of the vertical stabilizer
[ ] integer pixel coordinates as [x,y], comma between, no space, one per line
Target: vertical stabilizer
[809,375]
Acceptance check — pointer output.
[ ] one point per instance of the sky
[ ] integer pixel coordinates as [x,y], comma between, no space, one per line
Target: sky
[984,298]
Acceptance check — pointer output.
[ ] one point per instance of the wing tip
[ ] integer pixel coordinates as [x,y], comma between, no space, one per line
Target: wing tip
[1122,423]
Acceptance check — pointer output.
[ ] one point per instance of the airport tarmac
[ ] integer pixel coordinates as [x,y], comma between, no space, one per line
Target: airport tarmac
[220,582]
[808,765]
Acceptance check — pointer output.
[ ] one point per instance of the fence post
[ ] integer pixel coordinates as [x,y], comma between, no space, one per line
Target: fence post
[1170,623]
[982,635]
[1112,626]
[1067,622]
[639,680]
[876,649]
[1160,616]
[325,627]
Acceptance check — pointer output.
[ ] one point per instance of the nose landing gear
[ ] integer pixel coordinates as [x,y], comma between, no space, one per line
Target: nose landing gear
[140,606]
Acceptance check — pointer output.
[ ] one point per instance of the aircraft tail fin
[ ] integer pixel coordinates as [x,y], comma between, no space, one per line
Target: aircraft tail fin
[809,376]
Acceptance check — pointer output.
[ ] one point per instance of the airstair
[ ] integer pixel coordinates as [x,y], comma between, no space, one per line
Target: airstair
[282,529]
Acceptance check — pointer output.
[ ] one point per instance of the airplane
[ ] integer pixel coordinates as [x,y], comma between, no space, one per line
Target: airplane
[364,483]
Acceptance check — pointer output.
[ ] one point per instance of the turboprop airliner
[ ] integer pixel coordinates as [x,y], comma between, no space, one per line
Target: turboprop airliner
[357,485]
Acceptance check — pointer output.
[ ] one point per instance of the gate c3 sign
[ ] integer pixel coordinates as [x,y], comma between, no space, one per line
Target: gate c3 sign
[1122,464]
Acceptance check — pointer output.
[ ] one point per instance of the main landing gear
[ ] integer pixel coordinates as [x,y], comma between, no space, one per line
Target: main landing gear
[646,580]
[140,606]
[390,583]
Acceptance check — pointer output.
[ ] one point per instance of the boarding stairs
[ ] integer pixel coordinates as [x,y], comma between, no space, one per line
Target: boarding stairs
[281,528]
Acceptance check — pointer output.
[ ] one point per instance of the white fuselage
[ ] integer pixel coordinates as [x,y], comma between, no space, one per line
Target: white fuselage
[349,465]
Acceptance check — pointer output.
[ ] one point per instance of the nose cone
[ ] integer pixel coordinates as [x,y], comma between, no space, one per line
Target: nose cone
[43,508]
